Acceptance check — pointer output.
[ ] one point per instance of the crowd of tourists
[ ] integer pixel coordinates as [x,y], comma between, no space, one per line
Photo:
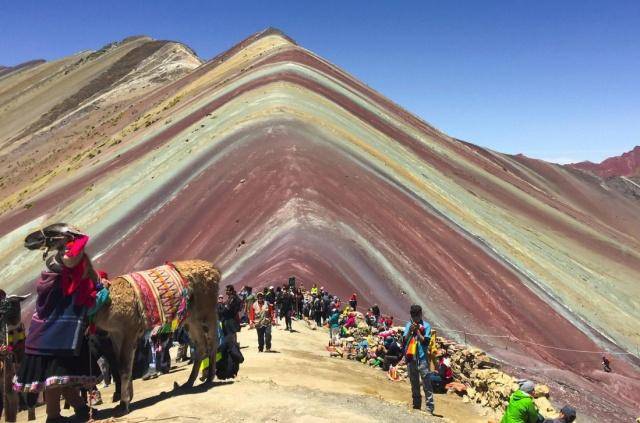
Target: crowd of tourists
[372,338]
[61,359]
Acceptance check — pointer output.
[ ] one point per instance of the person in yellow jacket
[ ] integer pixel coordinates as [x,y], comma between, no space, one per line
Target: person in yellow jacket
[433,351]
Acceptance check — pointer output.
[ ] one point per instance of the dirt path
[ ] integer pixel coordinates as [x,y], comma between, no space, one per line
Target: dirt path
[297,382]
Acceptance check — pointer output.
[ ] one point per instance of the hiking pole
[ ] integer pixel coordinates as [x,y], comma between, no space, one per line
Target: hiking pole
[4,373]
[92,391]
[10,404]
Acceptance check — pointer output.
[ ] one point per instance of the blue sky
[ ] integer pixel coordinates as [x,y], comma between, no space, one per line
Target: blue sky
[557,80]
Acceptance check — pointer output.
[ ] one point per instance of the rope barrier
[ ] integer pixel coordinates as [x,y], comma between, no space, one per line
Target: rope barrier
[515,339]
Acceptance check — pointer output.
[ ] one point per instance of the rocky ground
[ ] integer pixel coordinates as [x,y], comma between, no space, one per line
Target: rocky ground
[296,383]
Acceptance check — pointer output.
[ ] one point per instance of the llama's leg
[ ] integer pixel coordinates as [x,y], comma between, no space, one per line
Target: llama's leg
[30,400]
[198,338]
[212,345]
[116,343]
[11,397]
[126,368]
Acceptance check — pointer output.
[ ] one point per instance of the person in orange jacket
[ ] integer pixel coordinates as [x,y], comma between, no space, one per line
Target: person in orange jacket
[261,317]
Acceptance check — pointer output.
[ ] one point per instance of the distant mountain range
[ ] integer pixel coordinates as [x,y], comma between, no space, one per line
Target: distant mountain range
[627,164]
[5,70]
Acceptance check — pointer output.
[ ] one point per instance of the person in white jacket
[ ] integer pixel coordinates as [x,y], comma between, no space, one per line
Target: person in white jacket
[261,317]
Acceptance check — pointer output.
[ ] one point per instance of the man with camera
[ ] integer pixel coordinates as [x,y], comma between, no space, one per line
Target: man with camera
[417,334]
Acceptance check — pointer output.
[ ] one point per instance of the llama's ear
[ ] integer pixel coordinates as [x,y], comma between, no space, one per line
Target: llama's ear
[18,298]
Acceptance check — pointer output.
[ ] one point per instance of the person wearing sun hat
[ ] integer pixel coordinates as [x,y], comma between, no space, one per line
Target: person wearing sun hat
[521,408]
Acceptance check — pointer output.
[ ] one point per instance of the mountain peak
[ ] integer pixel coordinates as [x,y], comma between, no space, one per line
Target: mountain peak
[626,164]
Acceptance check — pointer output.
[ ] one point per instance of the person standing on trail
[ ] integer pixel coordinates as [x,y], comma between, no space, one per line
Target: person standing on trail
[230,315]
[316,310]
[249,299]
[416,343]
[261,317]
[326,306]
[353,301]
[270,295]
[606,365]
[286,307]
[299,297]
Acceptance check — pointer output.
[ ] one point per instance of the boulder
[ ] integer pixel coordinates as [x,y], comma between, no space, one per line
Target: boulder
[541,391]
[457,387]
[471,392]
[545,408]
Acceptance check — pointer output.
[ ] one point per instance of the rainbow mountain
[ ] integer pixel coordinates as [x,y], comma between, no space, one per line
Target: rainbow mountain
[271,162]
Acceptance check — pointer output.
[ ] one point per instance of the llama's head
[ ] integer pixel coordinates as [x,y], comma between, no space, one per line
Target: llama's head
[10,310]
[52,237]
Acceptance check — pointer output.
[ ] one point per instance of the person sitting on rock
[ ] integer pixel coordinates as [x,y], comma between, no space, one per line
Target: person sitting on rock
[567,415]
[393,354]
[353,301]
[521,408]
[443,374]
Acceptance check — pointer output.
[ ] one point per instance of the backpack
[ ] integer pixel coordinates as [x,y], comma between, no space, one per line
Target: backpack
[228,365]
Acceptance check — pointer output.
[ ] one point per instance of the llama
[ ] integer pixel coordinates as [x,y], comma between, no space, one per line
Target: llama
[125,322]
[125,318]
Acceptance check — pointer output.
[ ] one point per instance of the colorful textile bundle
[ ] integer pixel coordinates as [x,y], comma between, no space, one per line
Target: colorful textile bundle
[15,338]
[57,326]
[161,293]
[77,281]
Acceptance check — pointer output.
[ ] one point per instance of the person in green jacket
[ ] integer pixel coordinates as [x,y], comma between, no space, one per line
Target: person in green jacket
[521,408]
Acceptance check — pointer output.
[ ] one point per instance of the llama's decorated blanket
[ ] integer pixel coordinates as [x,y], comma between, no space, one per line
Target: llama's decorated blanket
[161,293]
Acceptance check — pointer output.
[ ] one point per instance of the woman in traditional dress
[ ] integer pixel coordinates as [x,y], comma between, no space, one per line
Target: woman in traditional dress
[57,359]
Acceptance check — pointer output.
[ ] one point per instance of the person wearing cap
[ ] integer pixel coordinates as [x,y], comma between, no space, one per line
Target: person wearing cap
[270,295]
[567,415]
[261,317]
[521,408]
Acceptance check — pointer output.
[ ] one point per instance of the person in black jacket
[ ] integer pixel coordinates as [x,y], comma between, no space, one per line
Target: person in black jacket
[286,307]
[229,315]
